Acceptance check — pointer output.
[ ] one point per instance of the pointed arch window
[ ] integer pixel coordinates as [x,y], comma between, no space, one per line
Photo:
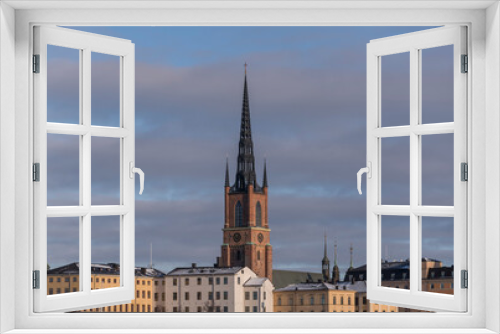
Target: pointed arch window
[258,215]
[238,215]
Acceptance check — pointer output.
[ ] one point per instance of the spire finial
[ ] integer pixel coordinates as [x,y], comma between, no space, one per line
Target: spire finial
[246,68]
[335,252]
[351,256]
[264,180]
[226,183]
[325,246]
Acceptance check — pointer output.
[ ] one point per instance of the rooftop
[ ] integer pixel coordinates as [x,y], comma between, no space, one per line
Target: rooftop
[283,278]
[256,281]
[358,286]
[197,271]
[103,269]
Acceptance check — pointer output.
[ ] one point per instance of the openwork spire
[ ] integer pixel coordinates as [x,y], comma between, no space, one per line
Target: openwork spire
[335,253]
[350,266]
[226,183]
[245,172]
[325,253]
[264,180]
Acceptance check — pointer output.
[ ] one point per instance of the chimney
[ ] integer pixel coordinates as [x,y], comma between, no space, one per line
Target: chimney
[193,265]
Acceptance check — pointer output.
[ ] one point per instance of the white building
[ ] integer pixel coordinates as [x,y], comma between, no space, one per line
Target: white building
[209,289]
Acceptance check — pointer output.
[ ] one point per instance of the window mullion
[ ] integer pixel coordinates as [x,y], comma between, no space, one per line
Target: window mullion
[85,168]
[415,181]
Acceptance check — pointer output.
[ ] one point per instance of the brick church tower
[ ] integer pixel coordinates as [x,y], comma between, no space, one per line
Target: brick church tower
[246,230]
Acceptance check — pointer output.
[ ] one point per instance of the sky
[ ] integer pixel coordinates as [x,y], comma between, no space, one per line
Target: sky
[307,88]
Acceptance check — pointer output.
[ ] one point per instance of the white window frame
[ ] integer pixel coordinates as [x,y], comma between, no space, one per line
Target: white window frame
[483,20]
[414,43]
[86,44]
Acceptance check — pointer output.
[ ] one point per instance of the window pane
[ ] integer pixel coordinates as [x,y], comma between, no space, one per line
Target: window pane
[63,85]
[63,240]
[395,251]
[395,171]
[105,171]
[105,90]
[395,89]
[437,169]
[105,252]
[437,251]
[63,170]
[437,84]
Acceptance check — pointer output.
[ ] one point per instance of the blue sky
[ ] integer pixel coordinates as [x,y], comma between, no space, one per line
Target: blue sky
[308,104]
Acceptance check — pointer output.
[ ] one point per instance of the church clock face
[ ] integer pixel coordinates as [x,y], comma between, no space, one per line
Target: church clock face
[237,237]
[260,237]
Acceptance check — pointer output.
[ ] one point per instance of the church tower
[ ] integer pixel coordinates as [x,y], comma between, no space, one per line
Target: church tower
[335,271]
[325,264]
[246,230]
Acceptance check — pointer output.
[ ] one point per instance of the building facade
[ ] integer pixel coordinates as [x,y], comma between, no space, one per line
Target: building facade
[246,232]
[213,289]
[150,286]
[326,297]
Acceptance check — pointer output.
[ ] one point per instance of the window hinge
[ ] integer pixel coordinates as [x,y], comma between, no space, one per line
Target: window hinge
[36,279]
[36,63]
[465,64]
[464,171]
[36,172]
[465,279]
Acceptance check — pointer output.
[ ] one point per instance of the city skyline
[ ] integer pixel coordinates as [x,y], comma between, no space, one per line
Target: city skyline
[308,121]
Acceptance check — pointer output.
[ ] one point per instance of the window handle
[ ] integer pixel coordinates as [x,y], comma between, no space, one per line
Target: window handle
[368,171]
[139,171]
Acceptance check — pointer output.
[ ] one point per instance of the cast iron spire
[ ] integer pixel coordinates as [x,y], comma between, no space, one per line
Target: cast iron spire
[264,180]
[226,183]
[245,172]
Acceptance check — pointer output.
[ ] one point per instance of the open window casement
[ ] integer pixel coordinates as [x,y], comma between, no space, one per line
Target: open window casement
[85,215]
[416,295]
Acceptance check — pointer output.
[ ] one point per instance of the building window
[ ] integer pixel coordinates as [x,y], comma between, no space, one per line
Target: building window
[186,309]
[239,280]
[143,282]
[109,280]
[74,279]
[334,300]
[247,295]
[186,281]
[186,295]
[341,300]
[217,295]
[301,300]
[238,255]
[255,295]
[138,282]
[258,215]
[137,294]
[210,280]
[279,301]
[226,295]
[217,309]
[348,300]
[156,296]
[238,215]
[442,285]
[432,286]
[174,282]
[364,300]
[255,308]
[175,309]
[156,283]
[175,296]
[198,280]
[226,309]
[198,295]
[144,294]
[163,296]
[149,282]
[198,309]
[149,294]
[58,290]
[210,295]
[393,276]
[323,299]
[264,295]
[59,279]
[247,308]
[258,255]
[225,280]
[290,301]
[311,301]
[51,291]
[217,280]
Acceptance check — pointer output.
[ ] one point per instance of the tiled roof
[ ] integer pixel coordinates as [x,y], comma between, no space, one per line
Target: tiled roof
[103,269]
[256,281]
[359,286]
[205,271]
[283,278]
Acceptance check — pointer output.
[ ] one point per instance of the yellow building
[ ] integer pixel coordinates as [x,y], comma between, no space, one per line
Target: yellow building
[326,297]
[150,288]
